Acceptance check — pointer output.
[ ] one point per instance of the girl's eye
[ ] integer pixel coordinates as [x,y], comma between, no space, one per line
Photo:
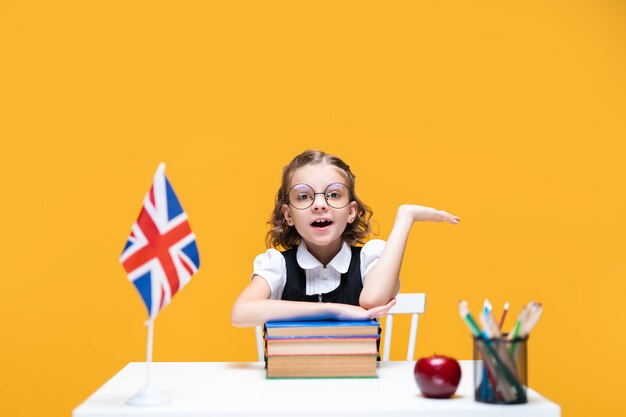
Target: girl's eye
[333,195]
[303,196]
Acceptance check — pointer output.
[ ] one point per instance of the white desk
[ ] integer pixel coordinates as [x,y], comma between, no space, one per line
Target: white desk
[240,389]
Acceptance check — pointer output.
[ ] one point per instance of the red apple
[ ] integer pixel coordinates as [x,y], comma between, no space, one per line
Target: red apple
[437,376]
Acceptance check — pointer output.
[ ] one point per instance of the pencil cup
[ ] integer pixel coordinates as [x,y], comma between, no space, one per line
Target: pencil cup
[500,370]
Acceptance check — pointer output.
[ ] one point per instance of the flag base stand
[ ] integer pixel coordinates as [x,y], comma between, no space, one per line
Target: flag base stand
[148,396]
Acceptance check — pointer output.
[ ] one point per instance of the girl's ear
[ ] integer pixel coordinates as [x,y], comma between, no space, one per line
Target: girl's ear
[287,214]
[353,211]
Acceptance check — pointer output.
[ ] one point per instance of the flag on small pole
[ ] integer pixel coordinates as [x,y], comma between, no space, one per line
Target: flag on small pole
[160,258]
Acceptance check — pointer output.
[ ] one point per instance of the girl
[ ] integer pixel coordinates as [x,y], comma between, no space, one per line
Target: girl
[319,220]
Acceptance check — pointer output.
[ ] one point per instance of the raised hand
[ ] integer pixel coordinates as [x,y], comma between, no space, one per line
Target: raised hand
[427,214]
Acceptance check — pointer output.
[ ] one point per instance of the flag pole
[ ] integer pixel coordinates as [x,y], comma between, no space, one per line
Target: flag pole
[147,395]
[149,350]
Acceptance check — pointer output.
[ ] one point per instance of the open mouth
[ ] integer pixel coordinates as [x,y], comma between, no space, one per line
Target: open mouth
[321,223]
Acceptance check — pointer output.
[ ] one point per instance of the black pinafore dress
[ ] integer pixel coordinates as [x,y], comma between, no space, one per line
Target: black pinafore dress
[348,291]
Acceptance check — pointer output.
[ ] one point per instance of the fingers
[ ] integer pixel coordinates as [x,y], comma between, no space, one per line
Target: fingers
[378,312]
[449,218]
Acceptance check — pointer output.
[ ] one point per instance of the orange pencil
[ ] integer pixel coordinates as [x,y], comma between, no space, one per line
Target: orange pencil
[506,309]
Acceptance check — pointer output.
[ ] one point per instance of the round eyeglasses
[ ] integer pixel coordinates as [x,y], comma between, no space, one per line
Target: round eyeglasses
[302,196]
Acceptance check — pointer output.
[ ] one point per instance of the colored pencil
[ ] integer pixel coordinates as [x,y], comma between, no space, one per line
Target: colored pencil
[506,310]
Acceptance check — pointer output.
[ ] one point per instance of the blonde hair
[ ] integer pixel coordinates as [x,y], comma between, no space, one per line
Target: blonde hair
[285,236]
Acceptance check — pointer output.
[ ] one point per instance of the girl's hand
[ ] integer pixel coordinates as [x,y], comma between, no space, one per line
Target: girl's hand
[350,312]
[427,214]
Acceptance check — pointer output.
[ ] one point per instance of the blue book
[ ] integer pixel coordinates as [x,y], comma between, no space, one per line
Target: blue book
[322,328]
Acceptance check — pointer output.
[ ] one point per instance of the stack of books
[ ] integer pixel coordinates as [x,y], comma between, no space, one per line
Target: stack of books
[321,349]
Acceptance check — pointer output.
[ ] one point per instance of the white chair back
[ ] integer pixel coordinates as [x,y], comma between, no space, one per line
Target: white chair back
[413,304]
[260,344]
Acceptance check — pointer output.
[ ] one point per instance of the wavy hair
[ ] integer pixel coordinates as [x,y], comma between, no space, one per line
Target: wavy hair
[285,236]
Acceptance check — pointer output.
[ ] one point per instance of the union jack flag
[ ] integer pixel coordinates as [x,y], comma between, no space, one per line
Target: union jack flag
[160,255]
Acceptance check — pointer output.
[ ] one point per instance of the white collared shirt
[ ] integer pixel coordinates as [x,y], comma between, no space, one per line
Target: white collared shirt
[319,279]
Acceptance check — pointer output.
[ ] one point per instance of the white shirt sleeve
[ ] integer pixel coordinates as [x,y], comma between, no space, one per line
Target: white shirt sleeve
[370,253]
[272,268]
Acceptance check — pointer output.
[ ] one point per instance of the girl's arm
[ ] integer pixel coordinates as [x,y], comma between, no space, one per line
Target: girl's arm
[382,281]
[253,307]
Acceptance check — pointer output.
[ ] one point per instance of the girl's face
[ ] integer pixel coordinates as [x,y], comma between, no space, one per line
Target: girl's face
[320,225]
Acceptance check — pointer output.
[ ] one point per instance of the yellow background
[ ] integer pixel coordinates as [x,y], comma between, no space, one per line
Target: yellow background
[509,114]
